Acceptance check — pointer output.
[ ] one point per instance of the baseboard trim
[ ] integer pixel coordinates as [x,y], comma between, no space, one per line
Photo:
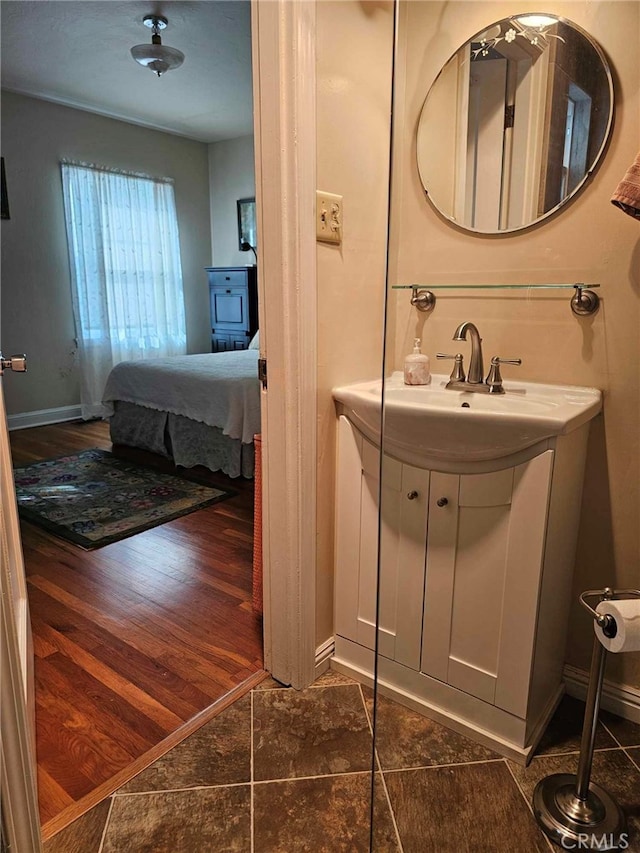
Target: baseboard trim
[324,653]
[621,699]
[43,417]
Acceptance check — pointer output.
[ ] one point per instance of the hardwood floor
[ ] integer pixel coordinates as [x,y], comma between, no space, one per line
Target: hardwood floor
[134,639]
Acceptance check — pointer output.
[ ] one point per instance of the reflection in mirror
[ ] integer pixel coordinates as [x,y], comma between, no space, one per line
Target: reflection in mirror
[514,123]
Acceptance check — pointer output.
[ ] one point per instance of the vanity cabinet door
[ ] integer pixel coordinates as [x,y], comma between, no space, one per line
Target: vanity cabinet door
[485,550]
[403,535]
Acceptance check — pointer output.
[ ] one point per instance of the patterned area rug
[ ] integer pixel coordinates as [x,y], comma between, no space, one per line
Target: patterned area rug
[94,498]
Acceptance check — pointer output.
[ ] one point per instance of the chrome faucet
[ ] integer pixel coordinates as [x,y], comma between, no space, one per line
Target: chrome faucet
[476,369]
[474,381]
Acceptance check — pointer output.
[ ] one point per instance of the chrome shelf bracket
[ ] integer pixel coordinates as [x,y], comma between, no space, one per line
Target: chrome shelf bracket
[584,301]
[423,300]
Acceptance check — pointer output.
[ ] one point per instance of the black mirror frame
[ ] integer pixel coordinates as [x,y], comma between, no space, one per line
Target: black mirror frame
[246,223]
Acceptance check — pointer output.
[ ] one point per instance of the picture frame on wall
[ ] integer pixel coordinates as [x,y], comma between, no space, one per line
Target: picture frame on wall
[247,232]
[4,198]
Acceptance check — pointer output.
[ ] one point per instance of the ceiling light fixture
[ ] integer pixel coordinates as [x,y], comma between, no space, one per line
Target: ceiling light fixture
[156,56]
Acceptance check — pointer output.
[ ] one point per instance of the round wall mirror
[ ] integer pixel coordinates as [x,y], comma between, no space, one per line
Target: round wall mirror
[515,123]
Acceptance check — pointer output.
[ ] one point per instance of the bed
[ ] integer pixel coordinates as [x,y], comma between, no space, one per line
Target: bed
[195,409]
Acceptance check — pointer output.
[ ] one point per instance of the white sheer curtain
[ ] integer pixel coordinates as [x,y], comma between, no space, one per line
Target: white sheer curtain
[126,274]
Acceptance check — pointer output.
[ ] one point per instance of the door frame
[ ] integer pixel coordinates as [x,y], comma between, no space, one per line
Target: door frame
[18,772]
[284,86]
[20,818]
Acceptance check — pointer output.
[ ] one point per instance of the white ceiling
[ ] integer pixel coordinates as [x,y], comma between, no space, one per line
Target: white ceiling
[76,52]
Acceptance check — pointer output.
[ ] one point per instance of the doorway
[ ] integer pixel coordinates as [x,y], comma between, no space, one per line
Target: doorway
[285,120]
[40,322]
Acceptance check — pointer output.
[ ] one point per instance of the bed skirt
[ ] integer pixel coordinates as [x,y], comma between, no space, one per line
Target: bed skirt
[187,442]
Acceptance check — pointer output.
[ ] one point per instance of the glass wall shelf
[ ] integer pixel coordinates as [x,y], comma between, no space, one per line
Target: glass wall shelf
[583,302]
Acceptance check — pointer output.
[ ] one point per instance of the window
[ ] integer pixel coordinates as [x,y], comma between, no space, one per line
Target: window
[126,274]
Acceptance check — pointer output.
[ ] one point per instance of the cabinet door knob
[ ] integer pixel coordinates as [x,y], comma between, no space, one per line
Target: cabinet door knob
[412,495]
[442,501]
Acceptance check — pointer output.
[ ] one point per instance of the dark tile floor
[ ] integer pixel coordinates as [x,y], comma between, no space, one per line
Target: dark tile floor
[289,771]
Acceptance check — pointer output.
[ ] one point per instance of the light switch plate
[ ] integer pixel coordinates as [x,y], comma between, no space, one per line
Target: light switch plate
[328,217]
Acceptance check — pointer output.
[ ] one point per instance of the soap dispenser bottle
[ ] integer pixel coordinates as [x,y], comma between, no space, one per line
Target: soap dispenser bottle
[416,367]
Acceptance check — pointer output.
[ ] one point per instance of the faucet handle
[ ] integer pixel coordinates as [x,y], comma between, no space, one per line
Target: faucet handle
[494,378]
[457,374]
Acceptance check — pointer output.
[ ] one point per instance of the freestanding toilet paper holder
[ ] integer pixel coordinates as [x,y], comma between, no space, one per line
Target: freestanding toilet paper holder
[572,811]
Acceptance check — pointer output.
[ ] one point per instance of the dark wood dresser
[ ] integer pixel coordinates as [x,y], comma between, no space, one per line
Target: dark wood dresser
[233,300]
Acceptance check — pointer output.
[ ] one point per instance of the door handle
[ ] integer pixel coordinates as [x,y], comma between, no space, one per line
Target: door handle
[17,363]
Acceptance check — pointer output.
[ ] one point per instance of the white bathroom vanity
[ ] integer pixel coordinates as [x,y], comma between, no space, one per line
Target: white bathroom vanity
[479,515]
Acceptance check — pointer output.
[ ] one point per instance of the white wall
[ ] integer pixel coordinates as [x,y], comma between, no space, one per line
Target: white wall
[231,176]
[589,240]
[36,291]
[354,50]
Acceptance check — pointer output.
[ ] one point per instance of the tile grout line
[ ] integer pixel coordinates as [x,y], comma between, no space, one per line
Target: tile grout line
[529,806]
[250,784]
[179,790]
[251,779]
[310,778]
[573,752]
[440,766]
[366,710]
[609,732]
[635,763]
[617,740]
[106,825]
[391,811]
[384,781]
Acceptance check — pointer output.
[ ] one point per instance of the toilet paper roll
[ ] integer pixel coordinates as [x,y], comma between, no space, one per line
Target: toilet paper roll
[626,612]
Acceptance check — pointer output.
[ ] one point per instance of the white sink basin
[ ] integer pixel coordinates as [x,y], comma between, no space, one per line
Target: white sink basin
[426,423]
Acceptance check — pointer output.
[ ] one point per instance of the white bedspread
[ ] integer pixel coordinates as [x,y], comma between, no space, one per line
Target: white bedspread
[219,389]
